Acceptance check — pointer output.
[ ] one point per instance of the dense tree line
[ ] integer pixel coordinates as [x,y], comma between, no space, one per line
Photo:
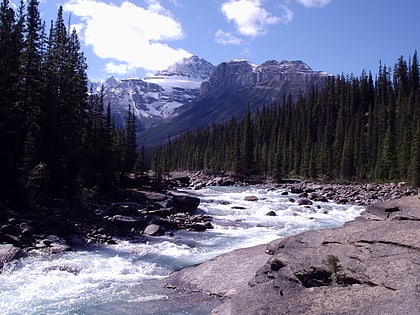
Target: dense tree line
[55,136]
[356,128]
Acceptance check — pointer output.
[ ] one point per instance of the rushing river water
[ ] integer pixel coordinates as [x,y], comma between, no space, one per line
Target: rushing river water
[123,278]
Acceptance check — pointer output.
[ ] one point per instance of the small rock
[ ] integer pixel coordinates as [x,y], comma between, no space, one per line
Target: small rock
[304,202]
[251,198]
[154,230]
[295,190]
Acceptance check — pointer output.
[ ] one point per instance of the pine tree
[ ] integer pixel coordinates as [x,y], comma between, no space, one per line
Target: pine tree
[414,75]
[130,157]
[11,112]
[247,146]
[414,163]
[64,110]
[32,86]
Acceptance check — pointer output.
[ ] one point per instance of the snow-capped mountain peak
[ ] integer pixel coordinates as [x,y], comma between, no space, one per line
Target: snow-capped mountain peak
[192,67]
[158,97]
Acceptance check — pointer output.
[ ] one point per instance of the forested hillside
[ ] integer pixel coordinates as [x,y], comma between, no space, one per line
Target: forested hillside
[356,128]
[55,137]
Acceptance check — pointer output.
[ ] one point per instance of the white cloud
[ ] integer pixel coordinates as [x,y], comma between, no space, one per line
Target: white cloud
[121,68]
[287,15]
[132,36]
[314,3]
[250,18]
[225,38]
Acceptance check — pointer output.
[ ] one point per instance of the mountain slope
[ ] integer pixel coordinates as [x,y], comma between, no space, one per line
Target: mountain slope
[231,88]
[157,98]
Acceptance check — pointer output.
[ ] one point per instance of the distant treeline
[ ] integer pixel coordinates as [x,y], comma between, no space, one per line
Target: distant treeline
[356,128]
[55,137]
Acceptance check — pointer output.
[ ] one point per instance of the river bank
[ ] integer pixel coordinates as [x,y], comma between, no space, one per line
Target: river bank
[132,213]
[368,266]
[137,212]
[362,194]
[128,277]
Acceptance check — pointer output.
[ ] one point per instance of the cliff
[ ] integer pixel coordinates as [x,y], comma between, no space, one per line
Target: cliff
[368,266]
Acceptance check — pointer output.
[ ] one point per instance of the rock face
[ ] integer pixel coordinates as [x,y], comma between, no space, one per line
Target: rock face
[233,87]
[271,76]
[369,266]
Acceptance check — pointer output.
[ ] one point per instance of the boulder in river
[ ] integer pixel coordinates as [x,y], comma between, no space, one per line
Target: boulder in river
[183,202]
[154,230]
[129,221]
[8,252]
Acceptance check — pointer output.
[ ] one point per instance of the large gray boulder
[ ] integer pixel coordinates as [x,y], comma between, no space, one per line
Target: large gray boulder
[8,252]
[368,266]
[183,202]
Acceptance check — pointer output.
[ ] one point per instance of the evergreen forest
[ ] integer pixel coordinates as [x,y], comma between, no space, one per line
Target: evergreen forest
[56,136]
[59,139]
[352,129]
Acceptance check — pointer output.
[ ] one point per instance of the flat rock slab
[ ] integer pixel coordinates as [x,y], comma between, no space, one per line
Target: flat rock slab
[225,275]
[375,270]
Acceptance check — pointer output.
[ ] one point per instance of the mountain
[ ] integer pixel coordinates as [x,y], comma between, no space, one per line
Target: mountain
[156,98]
[232,87]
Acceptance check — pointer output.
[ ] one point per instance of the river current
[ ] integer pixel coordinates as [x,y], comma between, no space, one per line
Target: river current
[126,278]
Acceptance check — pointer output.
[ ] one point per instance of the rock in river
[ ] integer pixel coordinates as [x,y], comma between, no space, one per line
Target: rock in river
[8,252]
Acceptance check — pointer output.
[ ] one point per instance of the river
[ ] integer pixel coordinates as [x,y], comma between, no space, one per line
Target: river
[126,278]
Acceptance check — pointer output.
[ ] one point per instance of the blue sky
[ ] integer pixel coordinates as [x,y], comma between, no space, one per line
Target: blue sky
[135,38]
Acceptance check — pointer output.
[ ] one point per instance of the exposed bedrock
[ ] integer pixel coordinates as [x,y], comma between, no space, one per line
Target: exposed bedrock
[369,266]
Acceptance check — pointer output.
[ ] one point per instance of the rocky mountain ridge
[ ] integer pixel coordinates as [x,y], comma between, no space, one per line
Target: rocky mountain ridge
[233,87]
[271,74]
[194,93]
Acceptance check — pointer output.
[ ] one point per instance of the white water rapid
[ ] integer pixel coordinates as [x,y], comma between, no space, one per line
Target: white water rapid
[122,278]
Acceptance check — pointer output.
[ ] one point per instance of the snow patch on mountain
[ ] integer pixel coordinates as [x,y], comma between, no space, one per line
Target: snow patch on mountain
[158,97]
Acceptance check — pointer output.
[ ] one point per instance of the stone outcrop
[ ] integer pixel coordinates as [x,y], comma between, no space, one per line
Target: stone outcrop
[369,266]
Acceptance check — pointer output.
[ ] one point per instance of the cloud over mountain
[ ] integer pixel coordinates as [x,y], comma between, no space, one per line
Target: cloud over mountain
[249,16]
[136,33]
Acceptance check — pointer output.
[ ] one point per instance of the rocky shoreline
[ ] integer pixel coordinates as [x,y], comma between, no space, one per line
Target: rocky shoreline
[362,194]
[137,213]
[371,265]
[132,213]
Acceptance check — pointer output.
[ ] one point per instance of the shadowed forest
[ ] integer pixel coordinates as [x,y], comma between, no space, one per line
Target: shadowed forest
[56,137]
